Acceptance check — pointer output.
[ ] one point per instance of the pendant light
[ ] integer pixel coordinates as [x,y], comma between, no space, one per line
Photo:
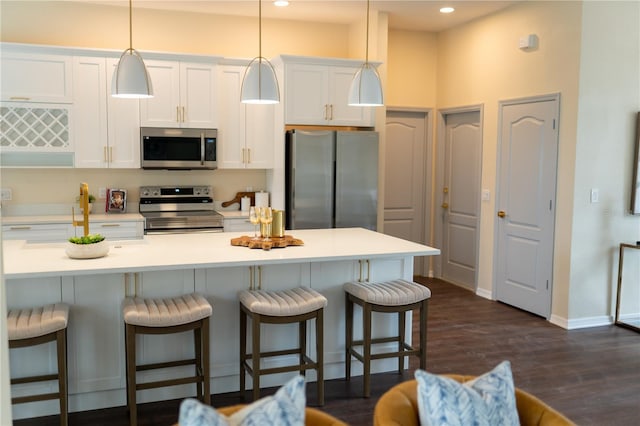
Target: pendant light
[366,88]
[131,79]
[260,85]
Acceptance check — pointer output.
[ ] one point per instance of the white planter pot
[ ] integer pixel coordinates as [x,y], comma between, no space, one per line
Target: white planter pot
[87,251]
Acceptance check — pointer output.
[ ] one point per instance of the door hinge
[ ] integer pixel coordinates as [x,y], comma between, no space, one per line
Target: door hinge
[554,124]
[550,204]
[547,284]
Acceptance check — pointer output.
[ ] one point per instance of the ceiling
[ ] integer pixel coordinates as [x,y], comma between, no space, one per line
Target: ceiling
[415,15]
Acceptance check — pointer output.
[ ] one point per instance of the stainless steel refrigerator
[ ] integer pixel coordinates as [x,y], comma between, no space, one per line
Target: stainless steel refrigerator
[331,179]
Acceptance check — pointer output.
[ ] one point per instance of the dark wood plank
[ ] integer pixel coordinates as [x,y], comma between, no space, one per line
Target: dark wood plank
[591,375]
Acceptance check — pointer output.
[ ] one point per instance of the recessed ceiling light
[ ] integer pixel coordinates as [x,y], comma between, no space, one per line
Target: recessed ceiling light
[446,9]
[281,3]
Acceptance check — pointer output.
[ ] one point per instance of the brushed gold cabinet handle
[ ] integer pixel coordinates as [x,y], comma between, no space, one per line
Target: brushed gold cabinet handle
[111,154]
[502,214]
[178,114]
[109,225]
[183,115]
[20,228]
[248,155]
[445,205]
[104,154]
[19,98]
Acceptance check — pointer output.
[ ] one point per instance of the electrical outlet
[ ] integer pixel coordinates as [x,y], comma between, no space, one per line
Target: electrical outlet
[5,194]
[102,193]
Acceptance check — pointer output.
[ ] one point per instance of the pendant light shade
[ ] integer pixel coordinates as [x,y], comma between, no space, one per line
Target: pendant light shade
[366,87]
[130,78]
[260,85]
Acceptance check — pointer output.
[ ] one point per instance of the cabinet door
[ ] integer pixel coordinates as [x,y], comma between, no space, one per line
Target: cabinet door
[36,78]
[118,230]
[341,114]
[231,133]
[306,94]
[246,131]
[163,110]
[260,136]
[37,233]
[123,121]
[90,112]
[198,95]
[96,332]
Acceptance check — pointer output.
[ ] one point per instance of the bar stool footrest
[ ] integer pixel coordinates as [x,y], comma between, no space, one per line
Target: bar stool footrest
[168,364]
[169,382]
[32,398]
[31,379]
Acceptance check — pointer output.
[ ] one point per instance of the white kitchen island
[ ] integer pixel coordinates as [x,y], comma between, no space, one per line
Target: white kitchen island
[169,265]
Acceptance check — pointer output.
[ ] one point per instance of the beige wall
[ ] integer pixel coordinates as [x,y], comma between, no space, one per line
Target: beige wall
[411,68]
[608,102]
[480,63]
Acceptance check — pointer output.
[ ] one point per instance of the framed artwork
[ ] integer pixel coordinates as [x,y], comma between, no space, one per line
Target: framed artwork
[116,200]
[635,182]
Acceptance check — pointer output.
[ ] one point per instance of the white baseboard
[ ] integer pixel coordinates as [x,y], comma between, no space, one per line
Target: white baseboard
[484,293]
[574,324]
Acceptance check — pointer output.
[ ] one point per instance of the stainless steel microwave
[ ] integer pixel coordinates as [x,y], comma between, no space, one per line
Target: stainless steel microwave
[178,149]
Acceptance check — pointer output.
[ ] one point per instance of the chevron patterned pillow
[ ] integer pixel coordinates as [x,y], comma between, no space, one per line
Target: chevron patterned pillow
[285,408]
[488,400]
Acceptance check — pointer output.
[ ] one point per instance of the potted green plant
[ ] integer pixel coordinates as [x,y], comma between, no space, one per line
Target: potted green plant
[91,197]
[87,247]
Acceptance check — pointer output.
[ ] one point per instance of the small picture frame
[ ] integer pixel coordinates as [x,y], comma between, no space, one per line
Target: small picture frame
[116,200]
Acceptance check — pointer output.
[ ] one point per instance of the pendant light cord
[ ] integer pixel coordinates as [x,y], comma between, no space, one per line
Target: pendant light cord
[260,29]
[366,60]
[130,26]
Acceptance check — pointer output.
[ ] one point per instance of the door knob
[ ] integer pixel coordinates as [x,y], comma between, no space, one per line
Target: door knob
[445,205]
[501,213]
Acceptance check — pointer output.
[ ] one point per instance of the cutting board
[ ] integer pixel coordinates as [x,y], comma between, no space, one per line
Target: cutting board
[238,197]
[274,242]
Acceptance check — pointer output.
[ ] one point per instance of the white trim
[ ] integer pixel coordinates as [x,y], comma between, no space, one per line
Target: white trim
[483,292]
[574,324]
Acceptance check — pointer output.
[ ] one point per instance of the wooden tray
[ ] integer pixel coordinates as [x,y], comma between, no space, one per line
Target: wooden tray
[274,242]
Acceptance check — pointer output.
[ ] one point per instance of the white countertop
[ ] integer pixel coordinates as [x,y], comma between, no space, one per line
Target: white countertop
[66,218]
[203,250]
[233,214]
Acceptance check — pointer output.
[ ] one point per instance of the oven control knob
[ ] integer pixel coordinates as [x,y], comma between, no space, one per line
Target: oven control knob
[205,191]
[145,192]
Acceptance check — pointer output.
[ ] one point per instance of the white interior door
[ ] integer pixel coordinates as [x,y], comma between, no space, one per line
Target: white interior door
[460,205]
[406,179]
[526,204]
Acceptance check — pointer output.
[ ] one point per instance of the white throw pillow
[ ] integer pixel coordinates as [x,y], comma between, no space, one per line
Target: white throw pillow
[285,408]
[487,400]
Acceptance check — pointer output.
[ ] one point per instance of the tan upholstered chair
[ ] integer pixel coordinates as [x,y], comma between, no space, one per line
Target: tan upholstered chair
[312,416]
[399,406]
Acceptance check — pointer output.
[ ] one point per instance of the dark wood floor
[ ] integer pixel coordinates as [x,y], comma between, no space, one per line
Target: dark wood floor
[591,375]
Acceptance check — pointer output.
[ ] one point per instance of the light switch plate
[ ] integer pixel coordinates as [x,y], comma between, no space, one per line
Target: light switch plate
[595,195]
[5,194]
[486,195]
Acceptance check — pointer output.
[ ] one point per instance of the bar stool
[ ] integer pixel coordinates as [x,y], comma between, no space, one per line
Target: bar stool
[281,307]
[167,316]
[396,296]
[35,326]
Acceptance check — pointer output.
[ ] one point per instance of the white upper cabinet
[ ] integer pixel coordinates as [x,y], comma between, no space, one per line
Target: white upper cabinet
[184,95]
[106,129]
[317,94]
[32,77]
[246,134]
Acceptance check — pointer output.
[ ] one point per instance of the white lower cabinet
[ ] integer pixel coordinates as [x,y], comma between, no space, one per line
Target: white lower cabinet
[37,233]
[96,332]
[96,355]
[118,230]
[239,224]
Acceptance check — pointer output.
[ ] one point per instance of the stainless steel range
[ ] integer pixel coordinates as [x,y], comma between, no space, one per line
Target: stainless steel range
[179,209]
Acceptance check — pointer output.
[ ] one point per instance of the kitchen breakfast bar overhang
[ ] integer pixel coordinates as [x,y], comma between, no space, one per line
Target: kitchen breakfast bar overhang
[170,265]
